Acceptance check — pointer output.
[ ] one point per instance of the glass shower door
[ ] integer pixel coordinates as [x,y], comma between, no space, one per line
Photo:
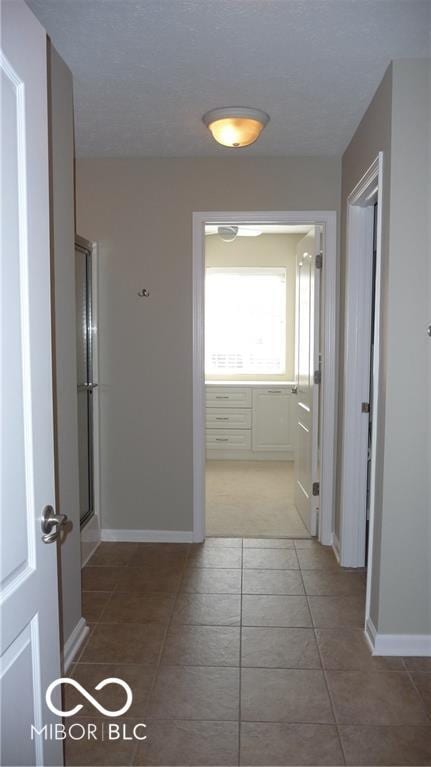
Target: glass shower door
[86,385]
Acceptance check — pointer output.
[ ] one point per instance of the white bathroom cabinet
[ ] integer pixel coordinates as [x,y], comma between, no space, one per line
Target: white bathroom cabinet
[249,422]
[272,428]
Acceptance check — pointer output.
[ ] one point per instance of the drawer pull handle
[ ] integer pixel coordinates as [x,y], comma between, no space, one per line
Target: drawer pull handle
[274,391]
[222,418]
[222,396]
[222,439]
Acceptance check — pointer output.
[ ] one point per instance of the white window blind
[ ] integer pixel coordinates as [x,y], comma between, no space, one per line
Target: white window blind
[245,321]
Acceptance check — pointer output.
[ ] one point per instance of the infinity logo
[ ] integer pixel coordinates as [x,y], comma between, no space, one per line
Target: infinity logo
[93,701]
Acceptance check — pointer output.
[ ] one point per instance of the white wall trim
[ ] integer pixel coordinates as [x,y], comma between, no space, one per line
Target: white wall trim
[407,645]
[90,538]
[74,642]
[88,548]
[354,457]
[327,219]
[148,536]
[370,633]
[336,547]
[198,277]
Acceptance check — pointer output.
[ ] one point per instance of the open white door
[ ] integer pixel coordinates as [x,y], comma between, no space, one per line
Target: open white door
[30,654]
[307,363]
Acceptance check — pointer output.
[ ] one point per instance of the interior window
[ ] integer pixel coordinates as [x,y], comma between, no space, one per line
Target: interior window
[245,321]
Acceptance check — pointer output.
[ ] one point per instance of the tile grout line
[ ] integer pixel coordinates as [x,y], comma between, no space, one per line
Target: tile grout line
[205,625]
[151,592]
[112,592]
[417,690]
[295,722]
[325,677]
[95,623]
[331,702]
[105,607]
[161,651]
[229,666]
[85,643]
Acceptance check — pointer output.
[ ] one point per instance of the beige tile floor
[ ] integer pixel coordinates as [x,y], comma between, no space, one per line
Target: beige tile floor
[245,652]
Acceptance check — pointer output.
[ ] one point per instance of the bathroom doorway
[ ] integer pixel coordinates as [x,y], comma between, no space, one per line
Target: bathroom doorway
[250,380]
[259,364]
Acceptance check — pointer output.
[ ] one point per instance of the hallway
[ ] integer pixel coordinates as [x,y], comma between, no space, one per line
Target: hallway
[244,651]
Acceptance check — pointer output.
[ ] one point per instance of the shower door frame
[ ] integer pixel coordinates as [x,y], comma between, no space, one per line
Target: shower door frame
[90,525]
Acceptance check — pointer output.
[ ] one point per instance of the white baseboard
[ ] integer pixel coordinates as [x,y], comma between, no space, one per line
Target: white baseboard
[90,538]
[336,547]
[74,642]
[148,536]
[416,645]
[370,633]
[87,552]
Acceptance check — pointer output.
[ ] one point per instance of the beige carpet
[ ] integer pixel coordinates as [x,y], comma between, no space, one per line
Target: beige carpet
[252,499]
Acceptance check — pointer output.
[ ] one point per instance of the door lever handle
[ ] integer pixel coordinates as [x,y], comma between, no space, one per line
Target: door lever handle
[51,524]
[87,386]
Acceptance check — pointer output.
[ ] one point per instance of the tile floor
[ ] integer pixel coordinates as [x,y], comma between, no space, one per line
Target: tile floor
[245,652]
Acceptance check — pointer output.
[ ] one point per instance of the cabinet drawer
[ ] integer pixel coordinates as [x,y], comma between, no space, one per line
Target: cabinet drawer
[277,391]
[217,418]
[220,439]
[221,396]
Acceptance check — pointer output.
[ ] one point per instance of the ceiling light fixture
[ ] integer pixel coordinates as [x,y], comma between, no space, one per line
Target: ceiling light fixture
[235,126]
[227,233]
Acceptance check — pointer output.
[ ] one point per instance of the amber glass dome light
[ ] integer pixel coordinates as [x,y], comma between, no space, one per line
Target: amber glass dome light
[235,126]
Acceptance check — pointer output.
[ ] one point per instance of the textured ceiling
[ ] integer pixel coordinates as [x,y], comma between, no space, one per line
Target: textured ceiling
[145,71]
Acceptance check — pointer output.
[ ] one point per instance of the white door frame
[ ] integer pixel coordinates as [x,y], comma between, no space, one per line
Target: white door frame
[359,247]
[329,288]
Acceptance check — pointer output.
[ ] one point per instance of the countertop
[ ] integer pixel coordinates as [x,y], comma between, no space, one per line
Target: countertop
[274,384]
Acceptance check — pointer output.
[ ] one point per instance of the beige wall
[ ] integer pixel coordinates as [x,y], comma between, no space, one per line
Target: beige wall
[405,567]
[63,274]
[265,250]
[397,122]
[140,212]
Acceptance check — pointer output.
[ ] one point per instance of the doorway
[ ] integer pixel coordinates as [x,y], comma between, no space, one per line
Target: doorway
[361,368]
[255,391]
[250,380]
[361,377]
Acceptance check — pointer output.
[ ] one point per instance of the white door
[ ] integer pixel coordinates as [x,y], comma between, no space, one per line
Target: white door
[30,656]
[307,362]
